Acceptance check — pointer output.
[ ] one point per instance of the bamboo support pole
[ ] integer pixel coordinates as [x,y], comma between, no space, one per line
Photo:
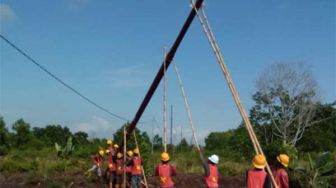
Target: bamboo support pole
[208,31]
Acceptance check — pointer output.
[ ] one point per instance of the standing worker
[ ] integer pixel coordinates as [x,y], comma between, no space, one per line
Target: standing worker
[165,171]
[279,172]
[211,171]
[119,170]
[110,170]
[257,177]
[136,169]
[97,161]
[109,145]
[129,167]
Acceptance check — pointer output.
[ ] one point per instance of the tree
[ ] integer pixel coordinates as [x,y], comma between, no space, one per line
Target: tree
[183,145]
[52,133]
[142,138]
[4,138]
[23,134]
[80,138]
[322,136]
[157,142]
[285,102]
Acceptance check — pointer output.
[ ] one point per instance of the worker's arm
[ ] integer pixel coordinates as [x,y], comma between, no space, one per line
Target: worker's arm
[205,167]
[156,171]
[268,182]
[129,162]
[173,170]
[284,179]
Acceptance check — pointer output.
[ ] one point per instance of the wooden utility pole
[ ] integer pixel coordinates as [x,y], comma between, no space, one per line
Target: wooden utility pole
[158,77]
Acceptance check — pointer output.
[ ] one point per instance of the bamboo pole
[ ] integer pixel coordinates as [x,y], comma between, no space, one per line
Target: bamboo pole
[142,169]
[187,107]
[164,101]
[208,31]
[125,147]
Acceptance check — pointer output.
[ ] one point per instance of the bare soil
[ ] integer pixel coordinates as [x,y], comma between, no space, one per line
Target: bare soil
[78,180]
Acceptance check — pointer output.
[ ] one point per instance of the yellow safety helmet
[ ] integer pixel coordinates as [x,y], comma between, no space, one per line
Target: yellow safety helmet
[164,156]
[259,161]
[101,152]
[107,151]
[130,153]
[115,146]
[119,155]
[136,151]
[110,165]
[109,142]
[283,159]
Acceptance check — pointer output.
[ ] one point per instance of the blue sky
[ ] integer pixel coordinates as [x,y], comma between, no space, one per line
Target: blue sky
[111,51]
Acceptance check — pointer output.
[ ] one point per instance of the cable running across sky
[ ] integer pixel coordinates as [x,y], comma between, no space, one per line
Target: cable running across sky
[62,82]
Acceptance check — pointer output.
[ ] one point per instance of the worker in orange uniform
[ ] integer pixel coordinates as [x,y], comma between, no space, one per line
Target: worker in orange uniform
[136,171]
[110,170]
[211,176]
[109,145]
[257,177]
[97,161]
[115,150]
[165,171]
[120,170]
[279,172]
[129,167]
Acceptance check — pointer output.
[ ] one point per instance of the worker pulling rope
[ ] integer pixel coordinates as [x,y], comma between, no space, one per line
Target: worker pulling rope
[186,104]
[142,170]
[210,36]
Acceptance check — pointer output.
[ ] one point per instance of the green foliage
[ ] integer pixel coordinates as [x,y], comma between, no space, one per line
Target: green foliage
[183,146]
[66,151]
[321,136]
[23,134]
[52,133]
[4,138]
[142,138]
[157,142]
[318,171]
[80,138]
[233,142]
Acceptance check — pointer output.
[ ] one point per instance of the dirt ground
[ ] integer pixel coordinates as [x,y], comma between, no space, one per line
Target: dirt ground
[78,180]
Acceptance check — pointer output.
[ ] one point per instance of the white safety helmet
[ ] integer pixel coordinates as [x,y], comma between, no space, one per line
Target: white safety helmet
[214,158]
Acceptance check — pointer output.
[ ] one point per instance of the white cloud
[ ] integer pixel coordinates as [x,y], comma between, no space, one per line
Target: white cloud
[96,127]
[6,13]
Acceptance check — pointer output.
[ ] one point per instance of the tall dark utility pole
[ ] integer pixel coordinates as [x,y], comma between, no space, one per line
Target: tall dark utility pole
[159,74]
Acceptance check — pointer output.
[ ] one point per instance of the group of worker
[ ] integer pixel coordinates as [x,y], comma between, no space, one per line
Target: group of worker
[116,165]
[258,177]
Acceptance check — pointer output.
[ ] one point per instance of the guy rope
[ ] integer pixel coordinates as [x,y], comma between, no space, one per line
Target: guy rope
[186,104]
[210,36]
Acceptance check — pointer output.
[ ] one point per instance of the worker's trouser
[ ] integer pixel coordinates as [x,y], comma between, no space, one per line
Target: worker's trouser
[97,169]
[136,181]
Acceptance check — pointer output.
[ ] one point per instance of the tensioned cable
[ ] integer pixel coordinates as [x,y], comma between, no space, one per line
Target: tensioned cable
[187,107]
[62,82]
